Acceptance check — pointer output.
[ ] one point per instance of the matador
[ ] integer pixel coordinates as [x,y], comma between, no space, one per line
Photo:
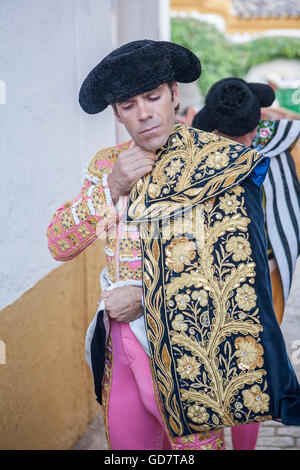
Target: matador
[185,340]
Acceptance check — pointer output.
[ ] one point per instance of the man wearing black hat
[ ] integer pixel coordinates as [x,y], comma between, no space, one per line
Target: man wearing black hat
[233,110]
[182,343]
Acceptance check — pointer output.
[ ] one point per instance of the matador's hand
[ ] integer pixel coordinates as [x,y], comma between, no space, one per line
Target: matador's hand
[123,304]
[130,166]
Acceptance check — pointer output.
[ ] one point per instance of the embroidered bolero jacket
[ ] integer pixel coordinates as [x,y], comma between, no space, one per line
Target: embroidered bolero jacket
[91,216]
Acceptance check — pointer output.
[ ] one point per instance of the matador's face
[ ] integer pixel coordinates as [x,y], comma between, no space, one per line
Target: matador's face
[149,117]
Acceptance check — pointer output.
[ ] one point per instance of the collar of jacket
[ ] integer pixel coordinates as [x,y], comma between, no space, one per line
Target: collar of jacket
[192,166]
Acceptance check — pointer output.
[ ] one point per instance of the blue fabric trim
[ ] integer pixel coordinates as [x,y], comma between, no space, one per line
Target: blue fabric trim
[260,170]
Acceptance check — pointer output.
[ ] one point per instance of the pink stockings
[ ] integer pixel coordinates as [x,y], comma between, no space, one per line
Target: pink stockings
[134,421]
[244,437]
[133,418]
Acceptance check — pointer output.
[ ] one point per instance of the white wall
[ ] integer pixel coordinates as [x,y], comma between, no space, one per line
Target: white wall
[46,50]
[47,47]
[139,19]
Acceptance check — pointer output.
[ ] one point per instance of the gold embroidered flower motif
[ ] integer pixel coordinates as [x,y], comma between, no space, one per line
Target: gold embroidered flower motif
[198,414]
[217,160]
[240,248]
[182,300]
[256,400]
[201,296]
[179,324]
[246,297]
[153,190]
[229,204]
[204,137]
[188,367]
[174,167]
[249,353]
[180,252]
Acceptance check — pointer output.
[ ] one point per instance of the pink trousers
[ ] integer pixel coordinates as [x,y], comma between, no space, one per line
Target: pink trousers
[244,437]
[134,421]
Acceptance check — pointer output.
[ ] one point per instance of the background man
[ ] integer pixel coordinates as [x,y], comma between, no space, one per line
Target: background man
[232,110]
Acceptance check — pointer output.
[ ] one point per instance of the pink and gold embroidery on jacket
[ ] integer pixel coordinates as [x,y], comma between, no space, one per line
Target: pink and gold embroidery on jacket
[91,215]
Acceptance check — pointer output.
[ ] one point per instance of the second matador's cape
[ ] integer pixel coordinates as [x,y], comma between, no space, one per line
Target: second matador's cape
[219,357]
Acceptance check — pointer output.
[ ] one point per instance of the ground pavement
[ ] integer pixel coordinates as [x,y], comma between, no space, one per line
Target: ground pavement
[272,435]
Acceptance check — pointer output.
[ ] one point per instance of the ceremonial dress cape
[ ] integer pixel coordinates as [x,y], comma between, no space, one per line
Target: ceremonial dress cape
[282,190]
[218,355]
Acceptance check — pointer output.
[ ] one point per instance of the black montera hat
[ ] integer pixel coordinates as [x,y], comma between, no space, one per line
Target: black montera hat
[232,106]
[135,68]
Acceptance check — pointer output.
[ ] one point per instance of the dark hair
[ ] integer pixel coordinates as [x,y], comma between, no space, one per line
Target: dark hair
[170,85]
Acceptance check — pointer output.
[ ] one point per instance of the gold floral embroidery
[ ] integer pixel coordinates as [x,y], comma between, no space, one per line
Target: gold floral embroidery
[174,167]
[180,252]
[198,414]
[176,270]
[249,353]
[246,297]
[188,367]
[240,248]
[153,190]
[182,300]
[200,334]
[179,324]
[217,160]
[196,150]
[229,204]
[256,400]
[200,296]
